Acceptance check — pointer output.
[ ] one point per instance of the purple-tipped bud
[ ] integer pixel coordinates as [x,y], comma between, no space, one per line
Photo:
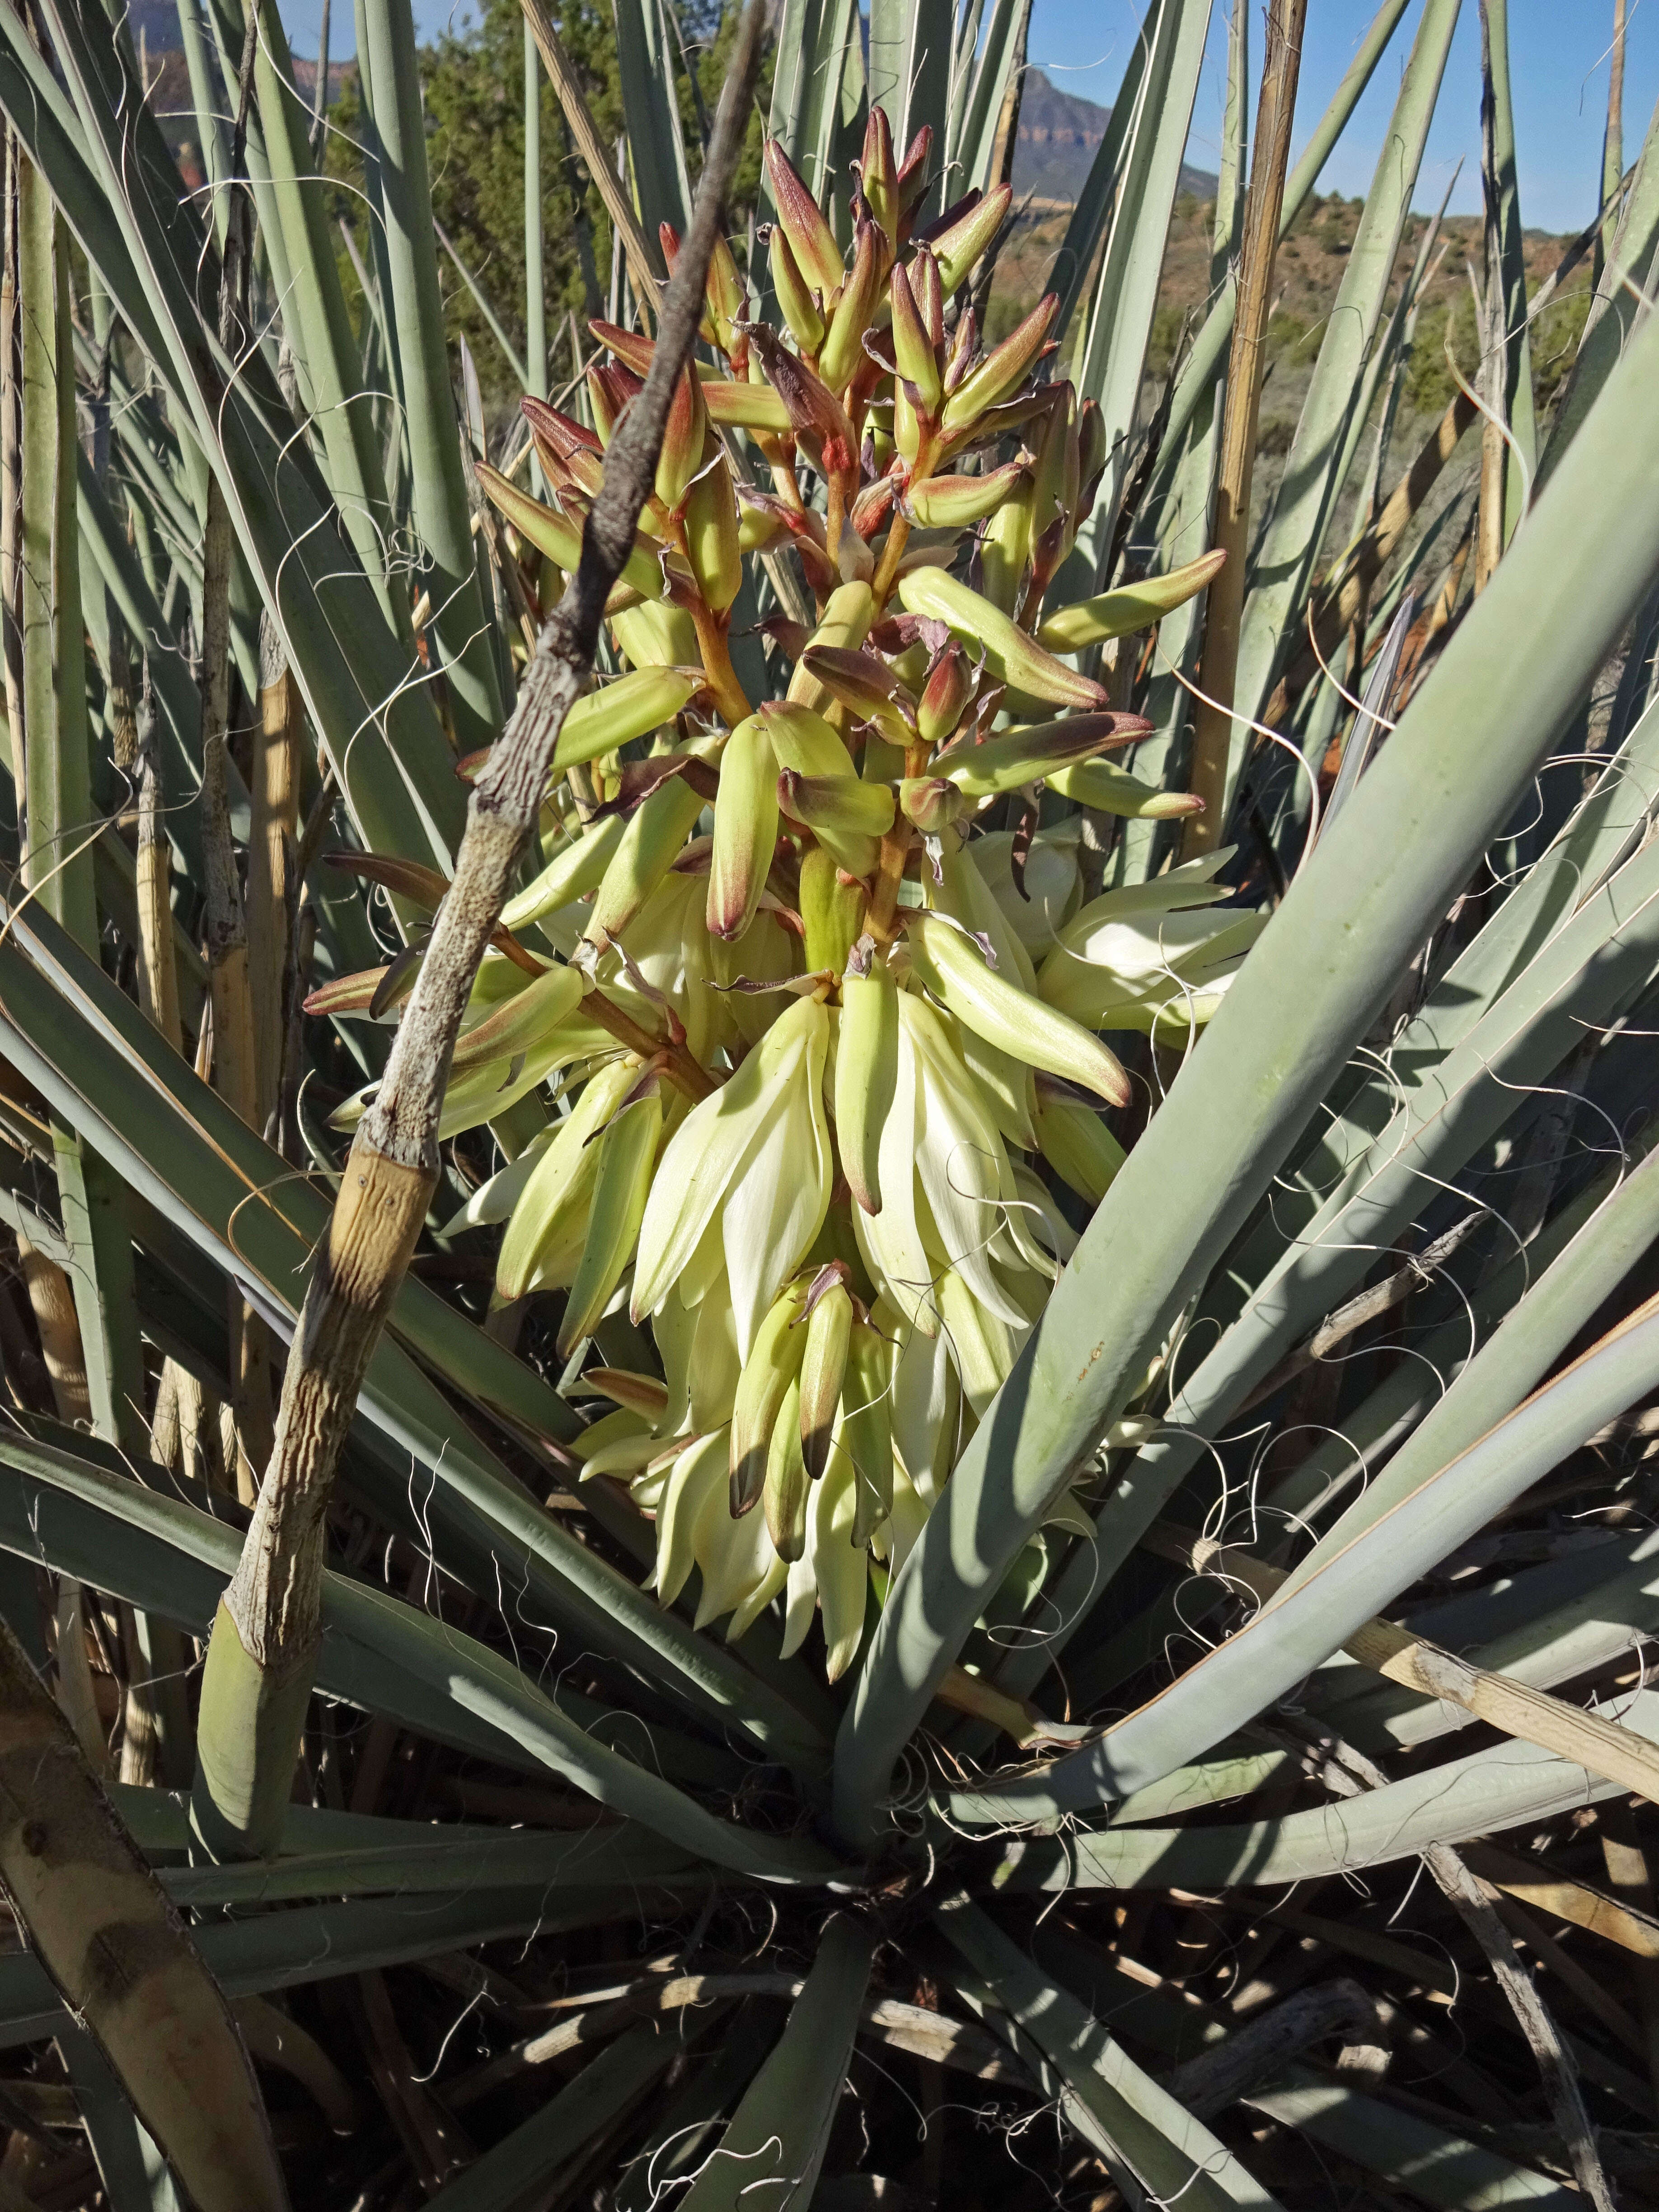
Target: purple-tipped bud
[843,351]
[811,238]
[929,297]
[912,178]
[961,239]
[931,804]
[1004,370]
[912,348]
[946,695]
[801,310]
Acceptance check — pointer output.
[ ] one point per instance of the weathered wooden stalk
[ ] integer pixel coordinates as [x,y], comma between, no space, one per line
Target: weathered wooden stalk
[1212,724]
[101,1924]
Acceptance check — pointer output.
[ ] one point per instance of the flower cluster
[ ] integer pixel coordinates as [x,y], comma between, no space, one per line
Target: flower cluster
[822,994]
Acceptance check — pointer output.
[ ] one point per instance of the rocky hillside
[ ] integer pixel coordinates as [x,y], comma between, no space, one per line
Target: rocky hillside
[1058,134]
[1310,269]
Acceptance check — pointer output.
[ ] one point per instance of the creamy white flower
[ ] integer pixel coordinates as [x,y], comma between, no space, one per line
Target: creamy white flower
[1151,955]
[746,1179]
[831,1573]
[1052,885]
[945,1181]
[699,1348]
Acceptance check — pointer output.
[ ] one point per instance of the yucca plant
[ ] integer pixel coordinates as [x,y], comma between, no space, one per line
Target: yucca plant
[947,1127]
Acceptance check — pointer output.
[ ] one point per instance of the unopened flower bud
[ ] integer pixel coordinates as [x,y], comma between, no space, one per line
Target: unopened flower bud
[683,437]
[863,681]
[1011,656]
[832,906]
[668,239]
[1004,370]
[913,346]
[800,309]
[842,350]
[878,174]
[828,1331]
[804,222]
[609,388]
[958,247]
[745,830]
[929,297]
[946,695]
[912,179]
[1090,455]
[931,803]
[951,503]
[712,543]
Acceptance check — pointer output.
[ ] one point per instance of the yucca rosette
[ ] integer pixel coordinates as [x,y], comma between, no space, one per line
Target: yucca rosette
[821,1055]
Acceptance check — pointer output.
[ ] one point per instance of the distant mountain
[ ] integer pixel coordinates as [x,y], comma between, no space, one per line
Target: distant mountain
[1059,137]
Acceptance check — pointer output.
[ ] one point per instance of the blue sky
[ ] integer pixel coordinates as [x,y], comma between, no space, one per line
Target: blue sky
[1559,62]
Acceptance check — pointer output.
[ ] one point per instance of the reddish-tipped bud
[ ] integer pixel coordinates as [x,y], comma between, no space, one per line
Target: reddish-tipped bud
[929,297]
[668,239]
[563,433]
[912,179]
[572,457]
[609,388]
[843,351]
[804,222]
[629,346]
[913,348]
[800,309]
[816,415]
[966,233]
[873,507]
[728,304]
[864,682]
[878,174]
[1004,370]
[931,803]
[946,695]
[681,440]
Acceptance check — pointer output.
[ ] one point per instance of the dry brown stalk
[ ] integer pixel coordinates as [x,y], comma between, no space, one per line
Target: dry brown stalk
[102,1928]
[1212,724]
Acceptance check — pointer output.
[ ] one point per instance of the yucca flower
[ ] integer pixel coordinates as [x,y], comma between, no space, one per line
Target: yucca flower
[828,1188]
[745,1182]
[1151,957]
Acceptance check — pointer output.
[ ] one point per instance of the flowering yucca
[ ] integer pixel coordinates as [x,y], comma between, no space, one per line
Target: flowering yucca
[849,997]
